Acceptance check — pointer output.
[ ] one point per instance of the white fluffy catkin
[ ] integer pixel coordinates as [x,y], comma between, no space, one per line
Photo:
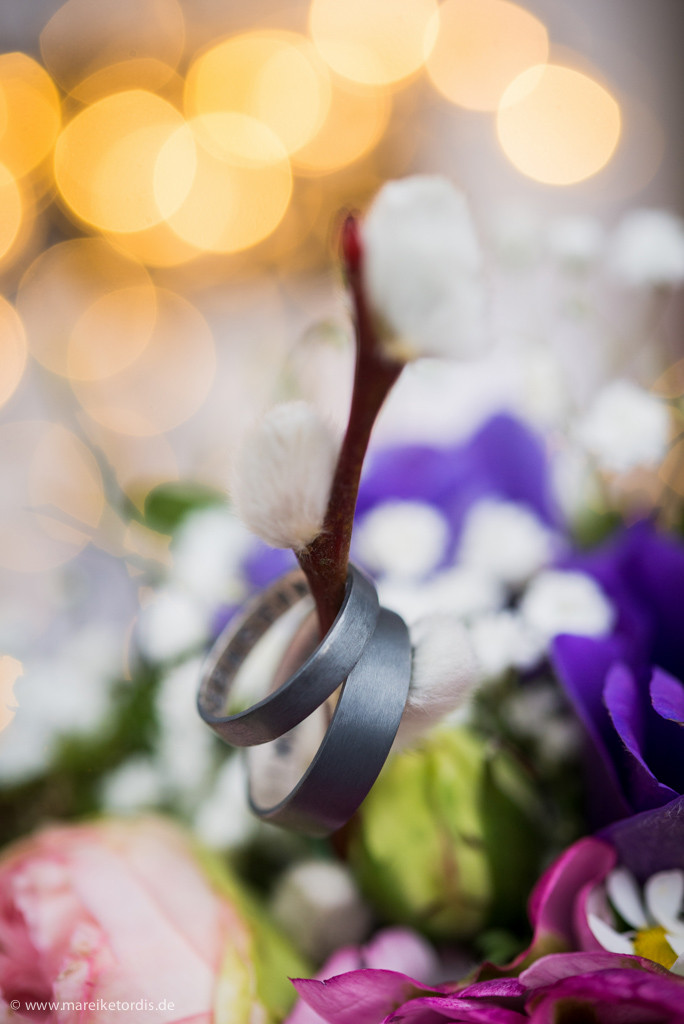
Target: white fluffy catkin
[282,475]
[444,674]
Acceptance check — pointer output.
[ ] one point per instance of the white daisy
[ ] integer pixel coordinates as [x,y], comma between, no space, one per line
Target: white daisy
[654,917]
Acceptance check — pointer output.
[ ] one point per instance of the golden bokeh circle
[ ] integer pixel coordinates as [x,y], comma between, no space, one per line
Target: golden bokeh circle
[166,384]
[30,116]
[11,210]
[277,78]
[106,161]
[241,187]
[480,47]
[73,300]
[558,125]
[53,498]
[13,350]
[374,42]
[356,122]
[86,37]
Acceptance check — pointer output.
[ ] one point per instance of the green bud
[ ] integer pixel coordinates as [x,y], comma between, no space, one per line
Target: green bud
[445,841]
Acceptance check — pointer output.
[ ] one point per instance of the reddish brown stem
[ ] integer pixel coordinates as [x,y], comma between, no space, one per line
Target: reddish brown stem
[325,560]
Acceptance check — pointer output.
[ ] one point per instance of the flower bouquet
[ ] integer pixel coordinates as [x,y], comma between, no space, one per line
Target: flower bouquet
[462,796]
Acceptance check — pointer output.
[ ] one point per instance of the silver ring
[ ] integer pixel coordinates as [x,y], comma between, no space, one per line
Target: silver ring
[357,741]
[320,675]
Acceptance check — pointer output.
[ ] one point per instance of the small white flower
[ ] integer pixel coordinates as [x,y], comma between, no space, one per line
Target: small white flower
[224,820]
[444,674]
[503,641]
[185,747]
[402,538]
[319,906]
[422,268]
[505,539]
[559,601]
[134,785]
[207,554]
[625,427]
[171,624]
[655,918]
[517,233]
[576,242]
[459,591]
[648,249]
[282,475]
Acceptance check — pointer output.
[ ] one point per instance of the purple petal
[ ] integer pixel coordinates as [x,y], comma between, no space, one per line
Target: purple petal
[650,842]
[582,664]
[667,696]
[554,901]
[623,701]
[358,997]
[264,565]
[499,988]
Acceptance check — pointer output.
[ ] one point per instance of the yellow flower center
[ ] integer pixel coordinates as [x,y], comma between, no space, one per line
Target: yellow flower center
[652,944]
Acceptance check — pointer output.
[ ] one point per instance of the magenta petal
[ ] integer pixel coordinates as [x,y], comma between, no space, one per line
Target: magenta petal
[557,966]
[433,1010]
[358,997]
[494,988]
[612,997]
[553,900]
[667,696]
[622,699]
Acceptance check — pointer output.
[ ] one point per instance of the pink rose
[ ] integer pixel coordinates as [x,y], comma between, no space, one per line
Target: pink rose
[120,912]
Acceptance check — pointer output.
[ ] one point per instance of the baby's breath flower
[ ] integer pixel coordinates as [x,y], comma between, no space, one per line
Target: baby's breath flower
[648,249]
[625,427]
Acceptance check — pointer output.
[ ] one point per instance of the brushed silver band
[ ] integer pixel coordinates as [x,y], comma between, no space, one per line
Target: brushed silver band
[320,675]
[357,741]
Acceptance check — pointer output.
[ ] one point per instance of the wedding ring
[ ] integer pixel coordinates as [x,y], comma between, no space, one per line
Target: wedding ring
[320,675]
[356,743]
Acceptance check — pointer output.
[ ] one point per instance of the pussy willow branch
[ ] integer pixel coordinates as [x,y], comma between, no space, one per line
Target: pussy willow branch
[325,560]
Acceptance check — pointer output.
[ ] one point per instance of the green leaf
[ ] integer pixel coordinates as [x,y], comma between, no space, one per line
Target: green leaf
[168,504]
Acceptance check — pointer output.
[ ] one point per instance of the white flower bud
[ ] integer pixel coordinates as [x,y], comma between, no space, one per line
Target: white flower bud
[422,269]
[318,904]
[648,249]
[625,427]
[444,674]
[502,641]
[282,475]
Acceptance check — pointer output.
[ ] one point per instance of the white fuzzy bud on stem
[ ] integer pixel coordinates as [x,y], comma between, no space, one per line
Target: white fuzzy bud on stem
[444,674]
[282,475]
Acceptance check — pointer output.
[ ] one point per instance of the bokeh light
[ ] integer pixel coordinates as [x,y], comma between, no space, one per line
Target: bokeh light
[12,350]
[166,384]
[52,499]
[83,38]
[375,42]
[139,463]
[30,113]
[11,209]
[106,161]
[480,47]
[558,125]
[276,77]
[241,187]
[146,73]
[356,121]
[74,302]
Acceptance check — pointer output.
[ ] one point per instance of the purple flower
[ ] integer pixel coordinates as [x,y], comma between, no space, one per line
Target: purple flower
[626,688]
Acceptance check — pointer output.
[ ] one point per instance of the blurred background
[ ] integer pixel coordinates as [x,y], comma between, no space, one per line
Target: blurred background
[171,178]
